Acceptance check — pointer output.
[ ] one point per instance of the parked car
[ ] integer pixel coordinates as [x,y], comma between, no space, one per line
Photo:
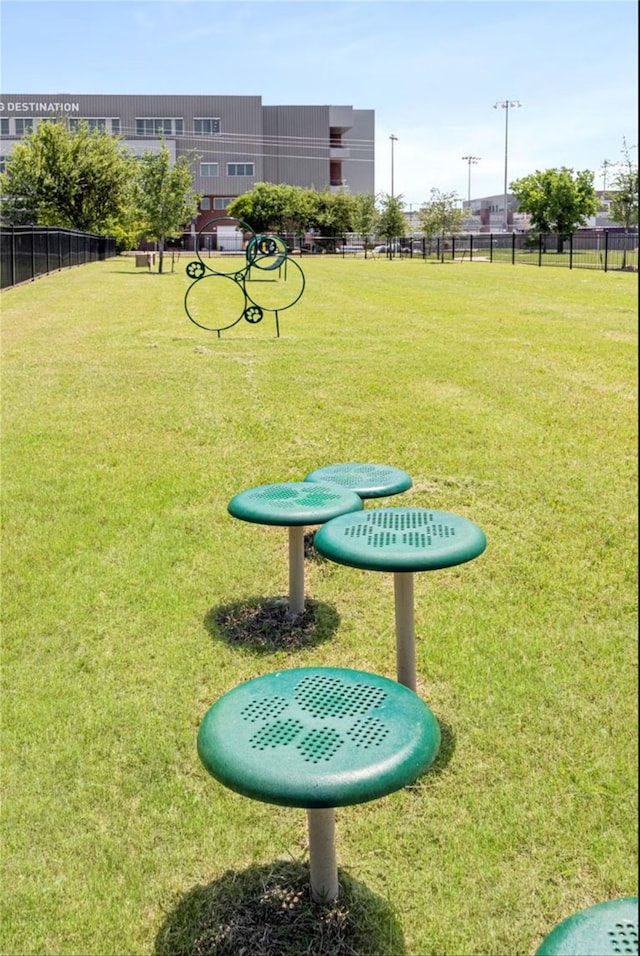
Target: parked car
[395,247]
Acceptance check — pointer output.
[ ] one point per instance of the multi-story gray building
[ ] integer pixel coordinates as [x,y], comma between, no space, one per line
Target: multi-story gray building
[238,140]
[487,214]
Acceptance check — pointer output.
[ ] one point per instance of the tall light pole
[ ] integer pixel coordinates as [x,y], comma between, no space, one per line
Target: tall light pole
[394,139]
[606,165]
[506,105]
[470,160]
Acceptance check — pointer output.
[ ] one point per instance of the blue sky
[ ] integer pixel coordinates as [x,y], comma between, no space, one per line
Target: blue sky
[431,71]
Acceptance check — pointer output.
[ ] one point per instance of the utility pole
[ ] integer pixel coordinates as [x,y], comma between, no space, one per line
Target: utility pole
[470,160]
[506,105]
[606,165]
[394,139]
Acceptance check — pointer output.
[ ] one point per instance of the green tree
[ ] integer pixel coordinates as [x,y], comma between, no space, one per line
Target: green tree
[333,213]
[624,201]
[164,197]
[441,216]
[273,207]
[365,218]
[75,179]
[391,219]
[558,200]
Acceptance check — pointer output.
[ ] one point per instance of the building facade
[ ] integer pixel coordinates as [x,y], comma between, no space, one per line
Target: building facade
[238,140]
[486,215]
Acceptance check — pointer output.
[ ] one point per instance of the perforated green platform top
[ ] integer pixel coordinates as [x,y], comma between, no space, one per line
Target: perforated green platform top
[400,539]
[293,503]
[368,481]
[606,929]
[318,737]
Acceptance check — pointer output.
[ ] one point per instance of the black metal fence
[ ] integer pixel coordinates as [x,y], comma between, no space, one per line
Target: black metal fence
[30,251]
[608,250]
[605,250]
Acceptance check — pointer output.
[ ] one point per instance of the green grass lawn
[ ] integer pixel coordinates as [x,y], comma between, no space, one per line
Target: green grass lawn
[509,395]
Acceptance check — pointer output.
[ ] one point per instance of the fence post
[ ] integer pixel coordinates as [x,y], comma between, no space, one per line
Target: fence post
[539,249]
[33,252]
[453,247]
[491,247]
[470,247]
[13,255]
[606,249]
[571,250]
[513,248]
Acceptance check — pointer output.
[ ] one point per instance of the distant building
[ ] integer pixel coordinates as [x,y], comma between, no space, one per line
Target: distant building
[486,214]
[239,141]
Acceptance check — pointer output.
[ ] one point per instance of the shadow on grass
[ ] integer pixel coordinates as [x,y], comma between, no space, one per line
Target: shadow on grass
[445,754]
[263,625]
[268,911]
[310,553]
[447,747]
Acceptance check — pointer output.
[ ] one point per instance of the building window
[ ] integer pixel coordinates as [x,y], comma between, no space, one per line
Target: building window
[74,124]
[115,126]
[3,164]
[4,127]
[239,169]
[154,127]
[206,127]
[24,126]
[222,202]
[205,203]
[208,169]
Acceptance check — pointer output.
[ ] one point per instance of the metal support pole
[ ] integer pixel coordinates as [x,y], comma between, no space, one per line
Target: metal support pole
[405,629]
[469,160]
[322,855]
[296,571]
[506,154]
[506,105]
[394,139]
[13,256]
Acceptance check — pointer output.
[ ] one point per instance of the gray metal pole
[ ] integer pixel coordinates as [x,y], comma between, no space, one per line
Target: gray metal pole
[506,105]
[405,629]
[506,154]
[393,139]
[322,855]
[296,571]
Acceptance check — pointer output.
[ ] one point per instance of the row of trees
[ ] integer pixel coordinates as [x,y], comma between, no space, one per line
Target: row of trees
[86,179]
[291,209]
[557,200]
